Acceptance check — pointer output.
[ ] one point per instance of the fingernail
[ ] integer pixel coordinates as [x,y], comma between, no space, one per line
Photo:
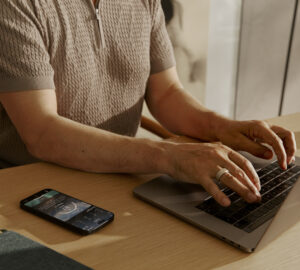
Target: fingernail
[255,189]
[251,197]
[258,186]
[257,194]
[268,155]
[257,183]
[225,202]
[293,160]
[285,165]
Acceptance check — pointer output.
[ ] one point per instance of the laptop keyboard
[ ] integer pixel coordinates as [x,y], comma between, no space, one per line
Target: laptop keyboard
[275,186]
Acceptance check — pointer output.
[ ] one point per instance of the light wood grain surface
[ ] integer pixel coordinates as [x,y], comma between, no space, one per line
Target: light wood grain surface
[141,236]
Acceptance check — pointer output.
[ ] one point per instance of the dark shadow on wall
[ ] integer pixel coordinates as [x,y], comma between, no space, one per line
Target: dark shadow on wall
[190,66]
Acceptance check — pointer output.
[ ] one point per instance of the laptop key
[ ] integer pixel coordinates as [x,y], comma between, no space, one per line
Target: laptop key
[294,179]
[273,192]
[226,216]
[290,165]
[257,214]
[270,167]
[295,169]
[241,224]
[264,189]
[227,191]
[265,179]
[241,204]
[241,214]
[234,197]
[262,172]
[290,173]
[278,180]
[253,206]
[285,176]
[278,200]
[210,205]
[262,220]
[266,197]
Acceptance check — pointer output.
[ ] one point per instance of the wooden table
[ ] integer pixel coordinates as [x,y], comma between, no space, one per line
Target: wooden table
[141,236]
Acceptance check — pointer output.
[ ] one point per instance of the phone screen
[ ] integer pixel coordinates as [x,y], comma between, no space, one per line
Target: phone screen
[58,205]
[69,210]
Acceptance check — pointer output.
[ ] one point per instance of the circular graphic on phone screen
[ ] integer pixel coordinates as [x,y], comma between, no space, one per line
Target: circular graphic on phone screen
[68,208]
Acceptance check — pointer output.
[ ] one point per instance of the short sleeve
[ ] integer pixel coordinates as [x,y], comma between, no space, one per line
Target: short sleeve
[24,58]
[161,50]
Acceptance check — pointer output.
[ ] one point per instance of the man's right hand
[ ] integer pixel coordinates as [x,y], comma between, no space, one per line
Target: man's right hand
[200,162]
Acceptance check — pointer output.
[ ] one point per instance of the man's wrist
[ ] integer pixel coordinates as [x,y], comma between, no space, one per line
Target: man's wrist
[216,124]
[162,160]
[155,156]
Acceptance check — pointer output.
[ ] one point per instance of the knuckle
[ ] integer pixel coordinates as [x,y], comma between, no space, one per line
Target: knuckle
[241,189]
[244,193]
[230,177]
[279,141]
[259,123]
[217,143]
[240,173]
[246,163]
[274,140]
[263,124]
[226,148]
[290,135]
[212,153]
[216,152]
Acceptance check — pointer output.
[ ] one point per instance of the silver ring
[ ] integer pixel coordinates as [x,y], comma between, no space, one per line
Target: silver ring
[220,173]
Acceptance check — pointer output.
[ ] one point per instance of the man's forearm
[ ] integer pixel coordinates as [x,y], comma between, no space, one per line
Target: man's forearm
[74,145]
[183,115]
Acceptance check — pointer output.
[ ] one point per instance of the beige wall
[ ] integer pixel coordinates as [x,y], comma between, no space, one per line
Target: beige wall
[189,35]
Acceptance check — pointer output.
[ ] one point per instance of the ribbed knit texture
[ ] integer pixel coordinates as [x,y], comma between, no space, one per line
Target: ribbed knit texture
[53,44]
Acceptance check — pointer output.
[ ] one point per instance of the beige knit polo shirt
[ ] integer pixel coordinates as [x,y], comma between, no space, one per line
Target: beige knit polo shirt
[98,59]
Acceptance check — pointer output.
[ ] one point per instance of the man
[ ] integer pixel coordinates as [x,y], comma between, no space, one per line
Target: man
[73,77]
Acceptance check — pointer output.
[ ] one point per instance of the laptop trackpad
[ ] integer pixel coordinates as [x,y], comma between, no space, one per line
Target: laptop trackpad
[165,190]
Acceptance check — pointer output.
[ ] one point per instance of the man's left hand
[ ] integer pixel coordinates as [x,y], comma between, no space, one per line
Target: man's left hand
[250,136]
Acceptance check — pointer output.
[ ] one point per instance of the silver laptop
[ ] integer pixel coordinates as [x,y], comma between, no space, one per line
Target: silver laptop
[241,224]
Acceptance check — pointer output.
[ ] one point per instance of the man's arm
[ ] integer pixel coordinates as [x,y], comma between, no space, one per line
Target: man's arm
[181,114]
[176,110]
[56,139]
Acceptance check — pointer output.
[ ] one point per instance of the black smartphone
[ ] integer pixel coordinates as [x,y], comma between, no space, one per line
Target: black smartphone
[67,211]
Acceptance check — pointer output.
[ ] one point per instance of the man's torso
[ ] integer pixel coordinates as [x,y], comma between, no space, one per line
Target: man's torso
[97,85]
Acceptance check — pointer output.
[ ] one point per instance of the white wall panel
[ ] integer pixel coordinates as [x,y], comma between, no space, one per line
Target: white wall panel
[265,37]
[223,45]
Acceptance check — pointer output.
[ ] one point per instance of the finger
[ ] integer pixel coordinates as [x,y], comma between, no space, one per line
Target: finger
[243,143]
[240,175]
[233,183]
[289,141]
[263,132]
[246,166]
[215,192]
